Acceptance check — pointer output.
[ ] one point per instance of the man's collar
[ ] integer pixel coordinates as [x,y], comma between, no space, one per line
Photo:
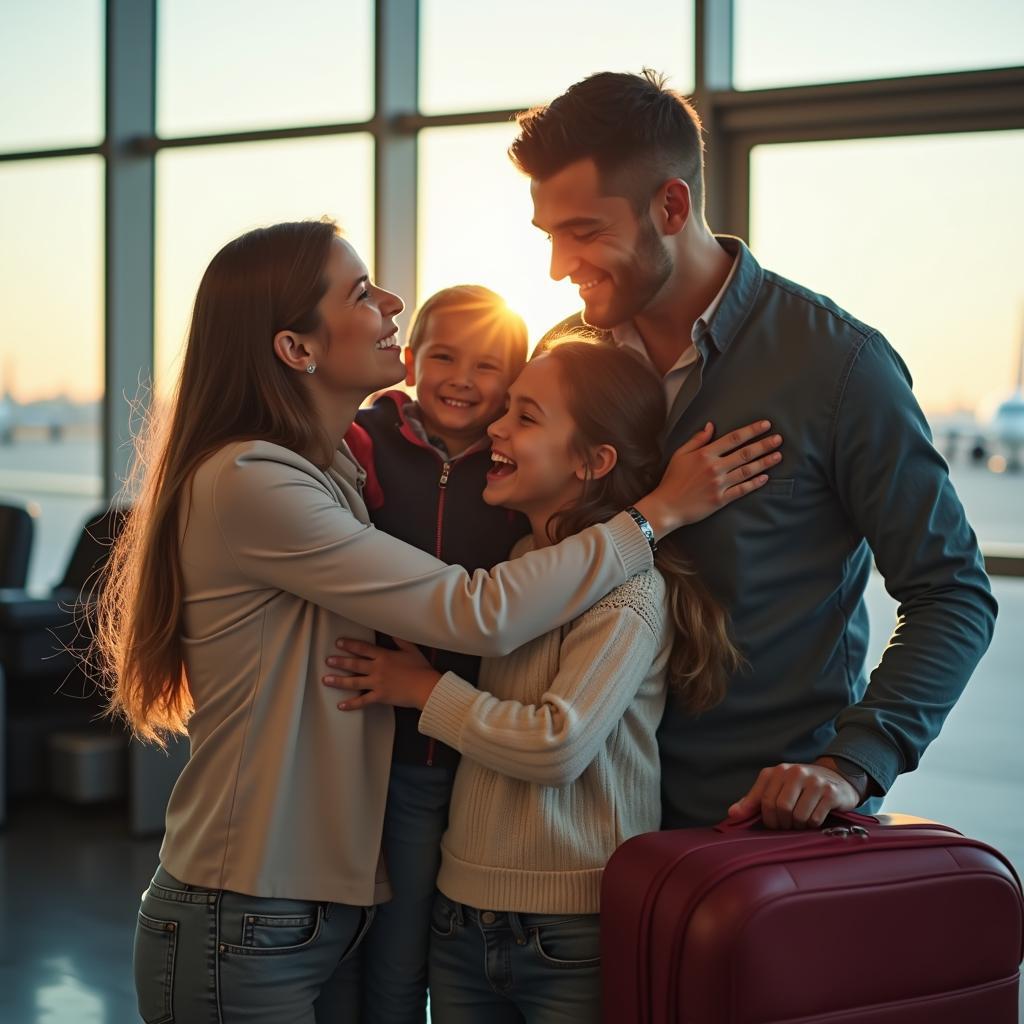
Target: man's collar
[737,300]
[724,317]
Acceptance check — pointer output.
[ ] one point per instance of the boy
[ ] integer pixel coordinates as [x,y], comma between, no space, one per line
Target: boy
[426,462]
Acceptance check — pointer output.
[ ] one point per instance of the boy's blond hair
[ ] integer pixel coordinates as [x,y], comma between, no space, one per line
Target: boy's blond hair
[486,310]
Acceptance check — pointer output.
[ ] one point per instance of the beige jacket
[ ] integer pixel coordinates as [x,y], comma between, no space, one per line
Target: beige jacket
[284,794]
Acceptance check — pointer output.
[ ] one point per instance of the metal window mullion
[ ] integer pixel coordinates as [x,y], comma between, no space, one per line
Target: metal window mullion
[396,97]
[129,226]
[712,63]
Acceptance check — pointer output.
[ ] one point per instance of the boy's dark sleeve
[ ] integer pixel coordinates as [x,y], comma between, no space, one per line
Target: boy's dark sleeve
[897,493]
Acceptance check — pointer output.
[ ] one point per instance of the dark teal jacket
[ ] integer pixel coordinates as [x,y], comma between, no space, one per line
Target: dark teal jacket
[859,478]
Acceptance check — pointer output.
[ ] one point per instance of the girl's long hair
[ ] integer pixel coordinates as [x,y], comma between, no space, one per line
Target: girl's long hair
[232,387]
[615,399]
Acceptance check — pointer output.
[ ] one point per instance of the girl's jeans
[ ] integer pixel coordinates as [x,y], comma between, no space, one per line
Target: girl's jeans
[209,955]
[507,968]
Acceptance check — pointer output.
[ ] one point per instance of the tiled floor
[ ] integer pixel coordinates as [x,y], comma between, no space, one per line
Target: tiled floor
[70,880]
[69,889]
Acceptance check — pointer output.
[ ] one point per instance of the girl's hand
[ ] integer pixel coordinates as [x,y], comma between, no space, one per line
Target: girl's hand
[402,678]
[704,475]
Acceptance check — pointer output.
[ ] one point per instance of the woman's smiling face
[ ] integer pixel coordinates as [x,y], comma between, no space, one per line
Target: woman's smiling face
[358,342]
[535,467]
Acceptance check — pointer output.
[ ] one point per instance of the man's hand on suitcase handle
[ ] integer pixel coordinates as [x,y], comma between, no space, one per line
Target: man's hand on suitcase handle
[798,795]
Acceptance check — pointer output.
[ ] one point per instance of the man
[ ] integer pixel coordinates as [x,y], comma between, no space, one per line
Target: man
[616,168]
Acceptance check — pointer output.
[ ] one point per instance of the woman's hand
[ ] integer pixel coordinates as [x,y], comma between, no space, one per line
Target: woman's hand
[402,678]
[704,475]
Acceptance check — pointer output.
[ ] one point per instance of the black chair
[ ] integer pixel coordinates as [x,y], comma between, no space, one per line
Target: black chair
[17,529]
[47,690]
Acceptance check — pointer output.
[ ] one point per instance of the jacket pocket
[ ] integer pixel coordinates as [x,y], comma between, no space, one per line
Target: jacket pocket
[780,488]
[156,944]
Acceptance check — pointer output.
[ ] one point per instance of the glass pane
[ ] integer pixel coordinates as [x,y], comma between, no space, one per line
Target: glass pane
[474,225]
[207,196]
[51,352]
[974,771]
[496,56]
[51,59]
[800,42]
[879,226]
[231,65]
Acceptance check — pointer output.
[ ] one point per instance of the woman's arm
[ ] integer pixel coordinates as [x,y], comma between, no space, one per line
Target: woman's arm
[603,660]
[285,530]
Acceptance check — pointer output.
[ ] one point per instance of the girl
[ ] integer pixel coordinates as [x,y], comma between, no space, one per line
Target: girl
[560,757]
[248,551]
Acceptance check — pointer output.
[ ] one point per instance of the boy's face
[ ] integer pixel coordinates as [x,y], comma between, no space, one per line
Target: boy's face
[461,376]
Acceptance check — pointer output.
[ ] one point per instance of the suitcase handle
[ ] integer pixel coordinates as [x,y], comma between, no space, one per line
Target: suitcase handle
[753,822]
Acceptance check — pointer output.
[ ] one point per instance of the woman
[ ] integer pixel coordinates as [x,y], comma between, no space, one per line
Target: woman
[248,551]
[560,758]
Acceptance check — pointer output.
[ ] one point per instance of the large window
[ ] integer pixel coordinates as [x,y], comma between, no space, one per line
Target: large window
[802,42]
[207,196]
[51,81]
[474,225]
[51,362]
[51,266]
[230,65]
[917,237]
[479,56]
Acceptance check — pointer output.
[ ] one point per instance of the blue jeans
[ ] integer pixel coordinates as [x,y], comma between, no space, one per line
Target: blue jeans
[394,956]
[209,955]
[494,967]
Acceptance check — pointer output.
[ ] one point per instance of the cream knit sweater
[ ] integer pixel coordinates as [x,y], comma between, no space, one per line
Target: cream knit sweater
[560,760]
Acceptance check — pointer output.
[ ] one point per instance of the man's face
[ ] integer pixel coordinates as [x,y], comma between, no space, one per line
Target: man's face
[616,259]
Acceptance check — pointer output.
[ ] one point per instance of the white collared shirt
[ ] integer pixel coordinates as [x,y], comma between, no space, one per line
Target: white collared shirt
[626,335]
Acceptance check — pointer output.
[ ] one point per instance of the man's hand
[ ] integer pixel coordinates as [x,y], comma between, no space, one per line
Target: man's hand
[797,795]
[402,678]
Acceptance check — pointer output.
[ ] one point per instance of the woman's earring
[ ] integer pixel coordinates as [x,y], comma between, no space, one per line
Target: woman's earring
[311,368]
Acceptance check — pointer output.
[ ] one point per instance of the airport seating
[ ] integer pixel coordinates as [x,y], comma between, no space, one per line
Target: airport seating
[48,692]
[17,529]
[46,688]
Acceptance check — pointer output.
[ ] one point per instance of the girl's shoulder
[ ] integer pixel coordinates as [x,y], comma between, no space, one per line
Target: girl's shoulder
[645,594]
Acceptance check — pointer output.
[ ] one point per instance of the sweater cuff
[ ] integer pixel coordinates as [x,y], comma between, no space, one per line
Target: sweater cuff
[447,708]
[872,752]
[631,544]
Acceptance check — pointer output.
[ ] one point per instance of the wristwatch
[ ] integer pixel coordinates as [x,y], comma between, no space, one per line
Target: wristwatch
[645,527]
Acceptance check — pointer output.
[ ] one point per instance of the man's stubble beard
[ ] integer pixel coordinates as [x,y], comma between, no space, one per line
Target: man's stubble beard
[637,287]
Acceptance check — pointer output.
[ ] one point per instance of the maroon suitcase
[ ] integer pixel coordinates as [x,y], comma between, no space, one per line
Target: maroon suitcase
[869,921]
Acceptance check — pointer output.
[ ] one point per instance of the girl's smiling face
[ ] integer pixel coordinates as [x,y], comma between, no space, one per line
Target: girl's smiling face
[536,468]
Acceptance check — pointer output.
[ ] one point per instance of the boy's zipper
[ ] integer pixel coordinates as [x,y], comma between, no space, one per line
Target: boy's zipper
[442,485]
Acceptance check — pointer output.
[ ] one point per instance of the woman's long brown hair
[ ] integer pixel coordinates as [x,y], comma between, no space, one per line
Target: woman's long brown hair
[232,387]
[615,399]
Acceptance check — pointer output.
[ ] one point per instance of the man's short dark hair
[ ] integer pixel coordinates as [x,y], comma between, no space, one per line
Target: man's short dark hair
[637,131]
